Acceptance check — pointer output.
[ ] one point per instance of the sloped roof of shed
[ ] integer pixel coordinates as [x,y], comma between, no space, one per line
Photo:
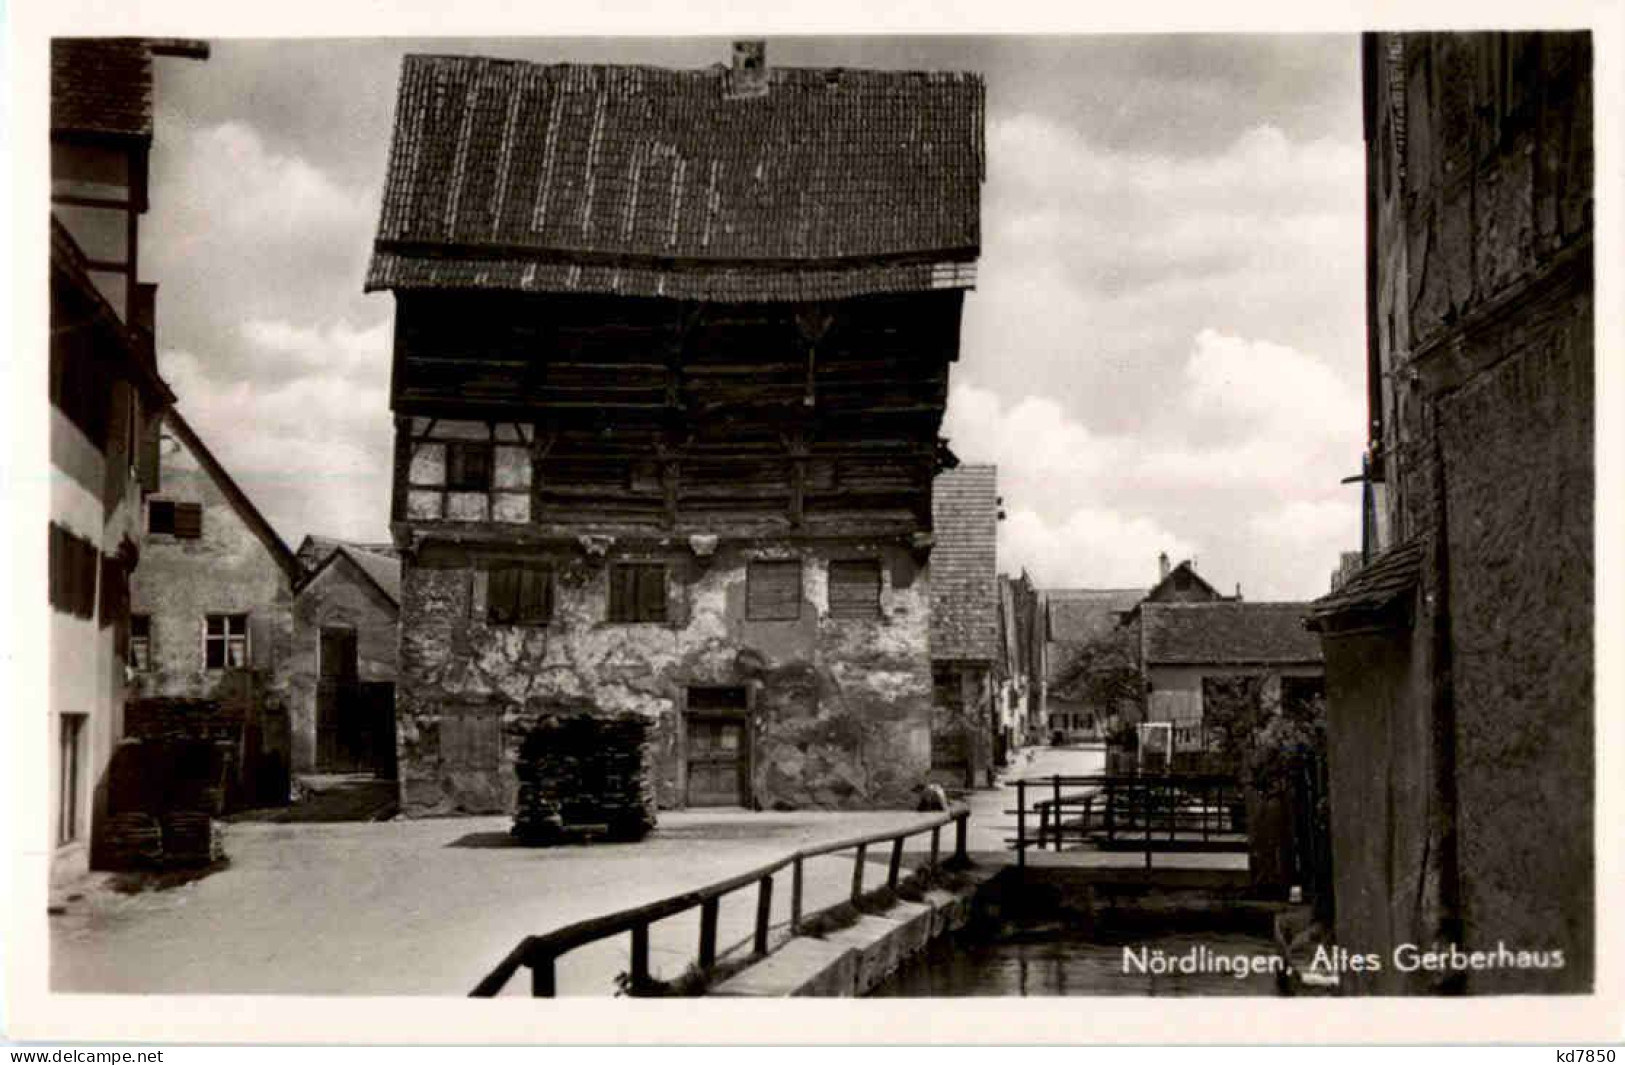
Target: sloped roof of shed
[1389,578]
[1228,632]
[965,564]
[648,181]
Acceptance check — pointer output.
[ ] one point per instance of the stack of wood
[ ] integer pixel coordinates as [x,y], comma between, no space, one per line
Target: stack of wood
[132,840]
[583,776]
[191,838]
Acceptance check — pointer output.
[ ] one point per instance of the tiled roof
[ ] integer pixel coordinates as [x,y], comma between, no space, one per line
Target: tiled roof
[1227,633]
[965,564]
[101,85]
[1391,576]
[647,181]
[1078,615]
[380,562]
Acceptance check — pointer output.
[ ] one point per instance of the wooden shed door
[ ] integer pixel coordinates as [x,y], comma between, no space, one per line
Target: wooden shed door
[716,761]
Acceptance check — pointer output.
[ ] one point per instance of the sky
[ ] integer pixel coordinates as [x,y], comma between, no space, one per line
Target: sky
[1164,352]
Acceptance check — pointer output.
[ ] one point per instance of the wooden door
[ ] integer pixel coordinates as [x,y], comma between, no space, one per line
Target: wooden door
[718,761]
[335,702]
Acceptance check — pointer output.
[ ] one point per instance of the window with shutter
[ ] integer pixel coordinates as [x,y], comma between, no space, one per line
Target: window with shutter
[161,517]
[73,572]
[468,466]
[188,521]
[519,595]
[773,590]
[637,592]
[854,589]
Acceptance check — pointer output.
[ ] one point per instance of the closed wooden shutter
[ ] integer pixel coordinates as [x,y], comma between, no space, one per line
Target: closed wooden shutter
[637,592]
[535,595]
[651,593]
[260,650]
[502,595]
[773,591]
[147,465]
[188,521]
[854,589]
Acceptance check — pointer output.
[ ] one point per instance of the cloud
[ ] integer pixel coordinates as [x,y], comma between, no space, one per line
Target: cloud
[1240,468]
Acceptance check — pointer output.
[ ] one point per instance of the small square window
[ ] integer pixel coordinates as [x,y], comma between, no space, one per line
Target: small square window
[140,642]
[519,595]
[468,466]
[637,592]
[225,641]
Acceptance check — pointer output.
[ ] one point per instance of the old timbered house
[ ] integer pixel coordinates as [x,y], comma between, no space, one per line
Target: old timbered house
[671,356]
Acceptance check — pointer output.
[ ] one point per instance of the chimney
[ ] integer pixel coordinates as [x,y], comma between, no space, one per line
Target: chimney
[749,74]
[1238,591]
[1162,566]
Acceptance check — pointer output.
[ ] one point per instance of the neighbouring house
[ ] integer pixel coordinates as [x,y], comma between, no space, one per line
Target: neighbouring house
[106,395]
[968,737]
[671,358]
[211,618]
[1460,658]
[1187,650]
[1020,674]
[1077,621]
[341,666]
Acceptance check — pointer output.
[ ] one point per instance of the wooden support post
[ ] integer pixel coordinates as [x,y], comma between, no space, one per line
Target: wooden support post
[896,867]
[1021,823]
[1111,826]
[936,844]
[960,830]
[764,913]
[857,871]
[708,933]
[1043,824]
[795,898]
[541,977]
[1056,781]
[640,957]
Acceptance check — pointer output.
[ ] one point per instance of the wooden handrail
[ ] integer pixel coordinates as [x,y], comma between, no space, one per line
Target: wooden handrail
[539,952]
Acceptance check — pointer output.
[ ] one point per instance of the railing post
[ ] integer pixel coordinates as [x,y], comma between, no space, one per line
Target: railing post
[936,845]
[541,977]
[764,912]
[1059,820]
[795,897]
[857,872]
[640,957]
[1021,823]
[1043,826]
[896,867]
[1111,825]
[960,832]
[708,933]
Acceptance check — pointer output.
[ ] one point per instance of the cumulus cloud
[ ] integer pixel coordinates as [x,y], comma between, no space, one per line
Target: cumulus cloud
[1242,469]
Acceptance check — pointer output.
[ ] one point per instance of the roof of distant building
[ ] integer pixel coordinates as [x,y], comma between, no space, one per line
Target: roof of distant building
[1227,633]
[635,180]
[1078,615]
[380,564]
[965,564]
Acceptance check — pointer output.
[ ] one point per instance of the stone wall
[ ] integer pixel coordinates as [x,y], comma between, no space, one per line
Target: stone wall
[839,708]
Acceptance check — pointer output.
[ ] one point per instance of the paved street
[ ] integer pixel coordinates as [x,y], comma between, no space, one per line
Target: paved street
[428,907]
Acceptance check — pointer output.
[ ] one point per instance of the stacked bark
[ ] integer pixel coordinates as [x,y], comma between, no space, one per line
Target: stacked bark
[161,797]
[584,776]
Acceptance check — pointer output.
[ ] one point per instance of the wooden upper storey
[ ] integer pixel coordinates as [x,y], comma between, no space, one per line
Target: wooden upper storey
[618,414]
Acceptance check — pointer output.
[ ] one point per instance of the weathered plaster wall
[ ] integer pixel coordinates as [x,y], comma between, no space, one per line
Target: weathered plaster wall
[1384,806]
[1517,455]
[1481,159]
[841,709]
[227,570]
[342,597]
[1176,691]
